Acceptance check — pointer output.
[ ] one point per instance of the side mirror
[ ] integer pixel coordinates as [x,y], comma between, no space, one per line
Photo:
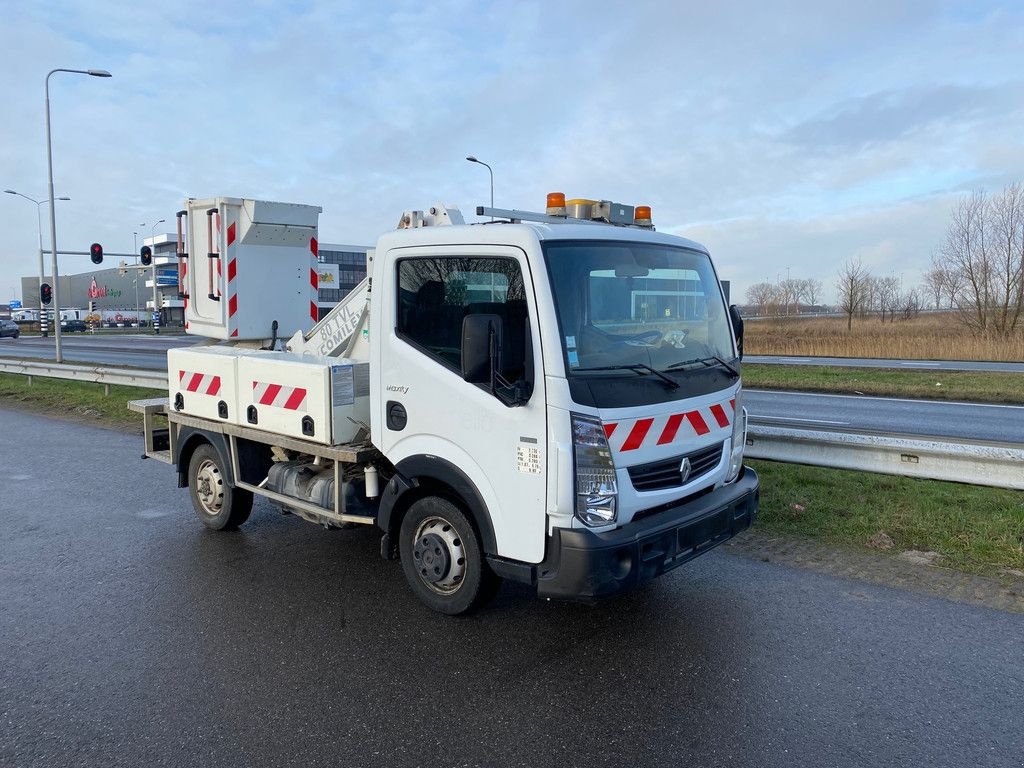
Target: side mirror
[481,348]
[737,327]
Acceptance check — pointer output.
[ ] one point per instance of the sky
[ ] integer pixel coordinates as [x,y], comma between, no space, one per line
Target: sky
[787,137]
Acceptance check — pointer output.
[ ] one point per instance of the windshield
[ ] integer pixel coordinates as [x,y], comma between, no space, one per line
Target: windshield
[629,305]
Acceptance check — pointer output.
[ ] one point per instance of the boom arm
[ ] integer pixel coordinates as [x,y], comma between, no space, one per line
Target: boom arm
[339,333]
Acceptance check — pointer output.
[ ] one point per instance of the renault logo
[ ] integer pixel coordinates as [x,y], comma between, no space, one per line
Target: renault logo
[684,470]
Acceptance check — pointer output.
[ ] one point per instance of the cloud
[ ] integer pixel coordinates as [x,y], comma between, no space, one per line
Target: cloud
[777,134]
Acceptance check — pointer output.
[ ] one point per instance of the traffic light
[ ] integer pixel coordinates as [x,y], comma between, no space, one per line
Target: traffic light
[96,253]
[92,307]
[45,293]
[147,255]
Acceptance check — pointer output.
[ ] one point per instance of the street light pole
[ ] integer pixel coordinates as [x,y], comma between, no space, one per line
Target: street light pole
[53,217]
[156,309]
[42,277]
[473,159]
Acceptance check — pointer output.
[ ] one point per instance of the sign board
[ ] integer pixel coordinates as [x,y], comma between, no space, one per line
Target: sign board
[329,275]
[14,304]
[167,277]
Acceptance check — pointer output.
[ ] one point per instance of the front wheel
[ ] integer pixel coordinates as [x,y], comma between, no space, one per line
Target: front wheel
[218,504]
[442,558]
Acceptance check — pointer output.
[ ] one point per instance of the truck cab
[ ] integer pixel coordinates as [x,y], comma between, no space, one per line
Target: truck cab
[578,385]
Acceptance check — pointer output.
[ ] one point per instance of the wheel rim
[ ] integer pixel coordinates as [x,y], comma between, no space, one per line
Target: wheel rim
[210,487]
[439,556]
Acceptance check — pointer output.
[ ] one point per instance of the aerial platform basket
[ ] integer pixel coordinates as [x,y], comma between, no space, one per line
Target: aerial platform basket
[246,263]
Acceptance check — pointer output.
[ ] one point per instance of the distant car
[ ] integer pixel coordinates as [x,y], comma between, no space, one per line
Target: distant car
[9,328]
[70,326]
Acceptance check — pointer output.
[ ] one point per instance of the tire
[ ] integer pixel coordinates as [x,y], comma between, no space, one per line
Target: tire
[218,504]
[442,558]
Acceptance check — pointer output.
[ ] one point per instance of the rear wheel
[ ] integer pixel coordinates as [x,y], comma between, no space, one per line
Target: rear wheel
[218,504]
[442,558]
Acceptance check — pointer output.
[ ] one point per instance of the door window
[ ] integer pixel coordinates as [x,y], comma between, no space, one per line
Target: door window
[435,294]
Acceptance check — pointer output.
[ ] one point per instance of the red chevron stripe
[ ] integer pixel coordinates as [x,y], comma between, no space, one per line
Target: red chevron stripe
[270,394]
[609,429]
[669,433]
[698,422]
[719,413]
[637,434]
[296,398]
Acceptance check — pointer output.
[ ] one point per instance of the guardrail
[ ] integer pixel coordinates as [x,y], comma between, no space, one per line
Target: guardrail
[98,374]
[996,465]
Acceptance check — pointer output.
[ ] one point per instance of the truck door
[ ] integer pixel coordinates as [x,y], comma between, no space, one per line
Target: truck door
[426,408]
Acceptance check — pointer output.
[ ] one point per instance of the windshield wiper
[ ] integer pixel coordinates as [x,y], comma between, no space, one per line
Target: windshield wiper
[636,368]
[706,361]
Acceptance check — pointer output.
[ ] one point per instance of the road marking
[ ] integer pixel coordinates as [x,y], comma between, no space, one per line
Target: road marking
[918,364]
[888,399]
[809,421]
[796,359]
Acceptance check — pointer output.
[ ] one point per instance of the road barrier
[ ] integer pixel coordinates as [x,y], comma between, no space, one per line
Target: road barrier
[129,377]
[962,461]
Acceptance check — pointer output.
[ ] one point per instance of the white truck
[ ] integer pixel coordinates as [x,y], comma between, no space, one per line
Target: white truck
[552,398]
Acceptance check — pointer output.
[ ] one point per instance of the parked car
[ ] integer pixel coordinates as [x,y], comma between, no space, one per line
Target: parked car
[68,326]
[9,328]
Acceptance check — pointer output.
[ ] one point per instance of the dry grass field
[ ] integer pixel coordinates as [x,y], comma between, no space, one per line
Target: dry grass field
[926,337]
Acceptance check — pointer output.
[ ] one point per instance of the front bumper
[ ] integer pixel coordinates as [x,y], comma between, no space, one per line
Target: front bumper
[583,565]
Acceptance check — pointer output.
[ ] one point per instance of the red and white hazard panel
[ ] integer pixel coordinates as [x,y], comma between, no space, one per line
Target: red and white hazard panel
[279,396]
[203,383]
[632,434]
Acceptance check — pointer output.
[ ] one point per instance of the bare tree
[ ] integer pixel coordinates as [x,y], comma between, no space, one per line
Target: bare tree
[888,295]
[851,287]
[812,291]
[934,283]
[909,304]
[1007,252]
[984,257]
[790,291]
[761,296]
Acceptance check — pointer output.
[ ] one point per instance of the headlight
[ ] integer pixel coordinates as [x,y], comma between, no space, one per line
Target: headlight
[738,442]
[596,490]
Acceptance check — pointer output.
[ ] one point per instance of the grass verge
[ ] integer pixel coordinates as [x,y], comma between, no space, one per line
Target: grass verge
[76,400]
[971,386]
[974,529]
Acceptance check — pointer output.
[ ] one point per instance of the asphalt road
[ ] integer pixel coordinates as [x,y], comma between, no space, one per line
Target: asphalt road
[130,635]
[870,362]
[999,423]
[134,350]
[885,415]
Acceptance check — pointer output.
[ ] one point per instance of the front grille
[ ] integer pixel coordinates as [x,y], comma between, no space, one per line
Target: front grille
[659,475]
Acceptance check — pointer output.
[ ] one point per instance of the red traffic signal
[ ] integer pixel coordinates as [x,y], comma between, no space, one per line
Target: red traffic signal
[147,255]
[45,293]
[96,253]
